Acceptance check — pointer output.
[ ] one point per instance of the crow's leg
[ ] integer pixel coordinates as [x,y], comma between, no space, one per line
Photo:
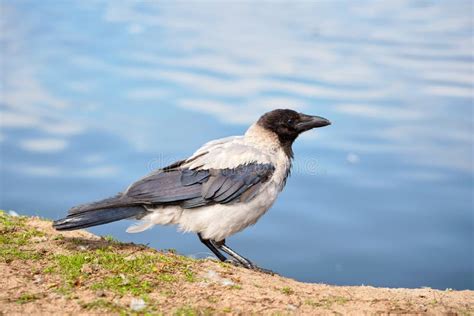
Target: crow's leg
[240,259]
[211,246]
[246,263]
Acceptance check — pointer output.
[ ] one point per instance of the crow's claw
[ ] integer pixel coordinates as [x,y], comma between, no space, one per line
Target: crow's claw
[234,263]
[250,266]
[266,271]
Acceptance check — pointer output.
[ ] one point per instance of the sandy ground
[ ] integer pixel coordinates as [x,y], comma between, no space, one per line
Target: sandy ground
[44,272]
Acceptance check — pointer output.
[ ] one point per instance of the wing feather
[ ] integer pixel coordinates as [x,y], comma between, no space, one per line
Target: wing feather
[196,188]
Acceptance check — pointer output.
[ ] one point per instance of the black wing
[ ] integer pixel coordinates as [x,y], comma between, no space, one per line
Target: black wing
[195,188]
[172,186]
[187,188]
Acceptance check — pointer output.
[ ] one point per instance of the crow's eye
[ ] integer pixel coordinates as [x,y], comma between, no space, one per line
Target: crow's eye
[290,122]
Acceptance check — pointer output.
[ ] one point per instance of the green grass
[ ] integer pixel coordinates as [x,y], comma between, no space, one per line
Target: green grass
[11,254]
[13,236]
[58,237]
[189,275]
[111,307]
[328,302]
[124,285]
[190,311]
[26,298]
[9,222]
[123,274]
[102,304]
[167,277]
[70,266]
[18,238]
[13,230]
[111,268]
[111,239]
[287,291]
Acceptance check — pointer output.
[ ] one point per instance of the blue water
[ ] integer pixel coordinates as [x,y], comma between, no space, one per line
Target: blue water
[95,94]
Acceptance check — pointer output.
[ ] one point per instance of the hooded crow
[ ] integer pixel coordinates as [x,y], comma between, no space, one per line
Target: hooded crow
[224,187]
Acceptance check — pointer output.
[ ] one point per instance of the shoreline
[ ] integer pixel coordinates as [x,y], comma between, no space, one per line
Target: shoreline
[43,271]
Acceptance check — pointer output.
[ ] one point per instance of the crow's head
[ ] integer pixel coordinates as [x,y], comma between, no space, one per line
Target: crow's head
[289,124]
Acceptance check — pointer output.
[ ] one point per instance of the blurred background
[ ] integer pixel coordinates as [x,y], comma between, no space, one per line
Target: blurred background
[96,94]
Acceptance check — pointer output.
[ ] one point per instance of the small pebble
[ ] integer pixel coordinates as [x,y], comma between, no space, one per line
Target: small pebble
[215,277]
[137,304]
[39,239]
[101,294]
[292,307]
[87,269]
[226,282]
[130,258]
[125,280]
[37,279]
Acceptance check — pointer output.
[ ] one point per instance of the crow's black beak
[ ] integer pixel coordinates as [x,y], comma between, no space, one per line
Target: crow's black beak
[308,122]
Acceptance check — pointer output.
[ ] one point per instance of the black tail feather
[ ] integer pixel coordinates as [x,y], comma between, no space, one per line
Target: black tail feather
[116,201]
[98,217]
